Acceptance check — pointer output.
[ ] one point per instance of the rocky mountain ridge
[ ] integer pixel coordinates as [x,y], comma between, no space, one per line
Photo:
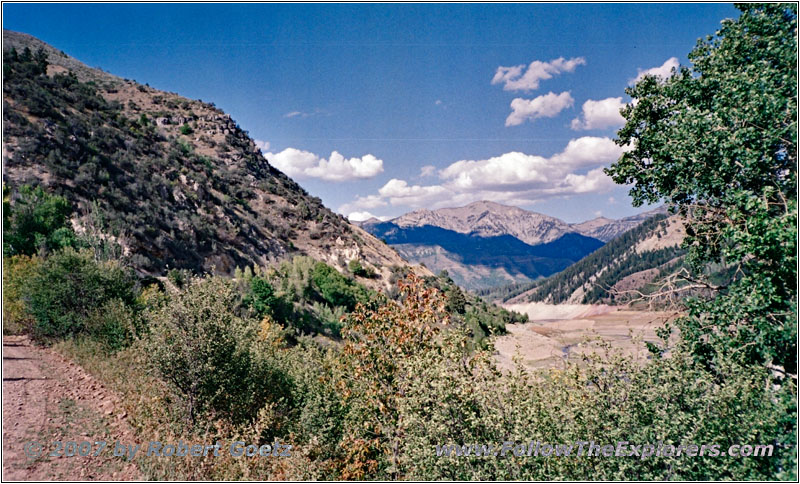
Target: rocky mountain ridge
[491,219]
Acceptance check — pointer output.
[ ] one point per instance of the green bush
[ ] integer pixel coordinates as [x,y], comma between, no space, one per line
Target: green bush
[262,297]
[201,347]
[357,269]
[17,270]
[336,289]
[186,130]
[178,277]
[36,220]
[114,324]
[69,286]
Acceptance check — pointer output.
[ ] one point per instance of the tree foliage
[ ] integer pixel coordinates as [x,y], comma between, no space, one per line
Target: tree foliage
[34,221]
[718,142]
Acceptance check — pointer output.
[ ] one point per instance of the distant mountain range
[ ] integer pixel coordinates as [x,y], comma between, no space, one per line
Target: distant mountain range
[486,244]
[635,261]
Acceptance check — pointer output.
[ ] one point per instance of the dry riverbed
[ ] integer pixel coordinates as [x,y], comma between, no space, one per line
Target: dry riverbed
[557,332]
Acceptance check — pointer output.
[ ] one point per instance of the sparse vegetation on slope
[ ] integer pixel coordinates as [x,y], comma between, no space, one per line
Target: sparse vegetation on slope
[173,181]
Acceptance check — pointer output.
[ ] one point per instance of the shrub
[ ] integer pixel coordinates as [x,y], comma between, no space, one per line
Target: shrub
[186,130]
[178,277]
[68,286]
[36,221]
[114,324]
[336,289]
[262,297]
[203,350]
[359,270]
[17,270]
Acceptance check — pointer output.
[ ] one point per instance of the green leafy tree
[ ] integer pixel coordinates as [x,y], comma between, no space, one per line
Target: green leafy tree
[35,220]
[336,289]
[262,297]
[718,142]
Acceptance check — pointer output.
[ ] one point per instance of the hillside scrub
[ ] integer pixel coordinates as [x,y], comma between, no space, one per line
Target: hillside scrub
[406,380]
[195,196]
[258,357]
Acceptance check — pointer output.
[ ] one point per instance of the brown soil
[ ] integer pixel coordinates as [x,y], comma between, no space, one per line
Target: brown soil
[48,398]
[556,333]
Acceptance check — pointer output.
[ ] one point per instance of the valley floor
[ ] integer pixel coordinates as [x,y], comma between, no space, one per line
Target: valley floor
[557,332]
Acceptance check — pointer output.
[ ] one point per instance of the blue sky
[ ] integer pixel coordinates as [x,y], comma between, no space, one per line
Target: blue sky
[383,109]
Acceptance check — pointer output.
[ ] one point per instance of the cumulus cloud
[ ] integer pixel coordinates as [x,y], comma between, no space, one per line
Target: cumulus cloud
[304,164]
[364,215]
[399,192]
[363,203]
[514,177]
[517,78]
[663,71]
[546,106]
[600,114]
[426,171]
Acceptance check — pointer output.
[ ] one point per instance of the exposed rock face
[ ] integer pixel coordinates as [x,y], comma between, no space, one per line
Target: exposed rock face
[488,219]
[606,229]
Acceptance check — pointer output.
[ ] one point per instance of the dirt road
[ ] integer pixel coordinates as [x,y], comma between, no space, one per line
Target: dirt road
[47,398]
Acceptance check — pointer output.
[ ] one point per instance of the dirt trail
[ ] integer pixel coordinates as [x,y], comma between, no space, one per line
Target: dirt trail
[47,398]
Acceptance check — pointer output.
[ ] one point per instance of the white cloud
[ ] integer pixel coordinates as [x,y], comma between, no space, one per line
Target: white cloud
[600,114]
[304,164]
[427,171]
[262,145]
[364,215]
[663,71]
[513,78]
[438,102]
[587,151]
[595,181]
[399,192]
[363,203]
[304,114]
[546,106]
[514,177]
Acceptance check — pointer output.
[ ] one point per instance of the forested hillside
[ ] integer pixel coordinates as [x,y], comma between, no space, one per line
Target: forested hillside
[597,277]
[487,245]
[465,255]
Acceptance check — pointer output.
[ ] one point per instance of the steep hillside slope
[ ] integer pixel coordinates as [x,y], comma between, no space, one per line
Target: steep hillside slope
[631,261]
[175,182]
